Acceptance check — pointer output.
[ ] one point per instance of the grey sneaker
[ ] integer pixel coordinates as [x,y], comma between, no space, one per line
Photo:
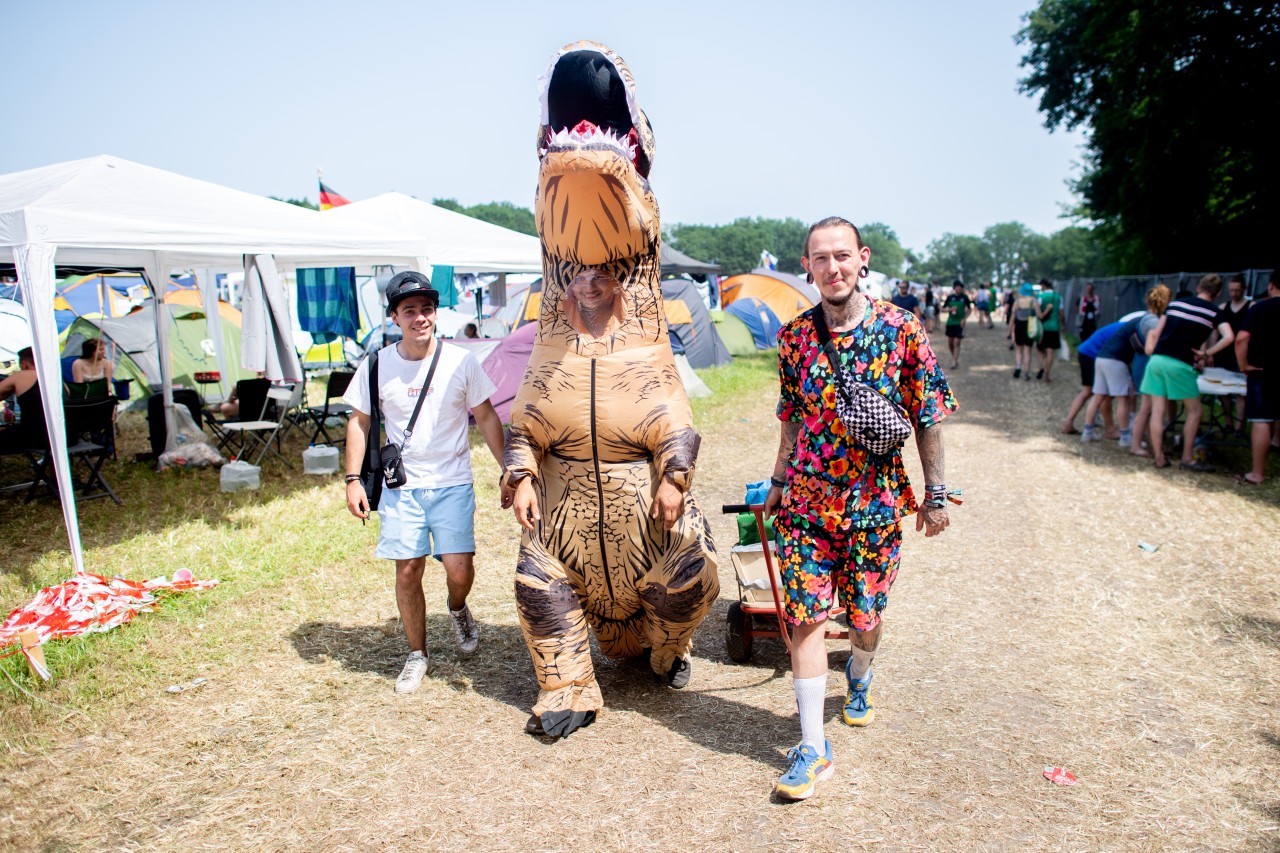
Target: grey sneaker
[466,633]
[415,669]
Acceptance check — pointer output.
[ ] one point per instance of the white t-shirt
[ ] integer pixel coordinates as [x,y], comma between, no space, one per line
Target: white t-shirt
[438,454]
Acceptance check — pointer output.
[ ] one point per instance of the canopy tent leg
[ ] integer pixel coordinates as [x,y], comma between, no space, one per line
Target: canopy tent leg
[36,277]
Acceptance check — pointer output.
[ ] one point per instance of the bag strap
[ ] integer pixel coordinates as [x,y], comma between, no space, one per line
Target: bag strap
[819,320]
[372,453]
[422,395]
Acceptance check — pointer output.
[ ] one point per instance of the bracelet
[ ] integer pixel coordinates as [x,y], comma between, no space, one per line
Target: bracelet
[931,488]
[351,478]
[778,482]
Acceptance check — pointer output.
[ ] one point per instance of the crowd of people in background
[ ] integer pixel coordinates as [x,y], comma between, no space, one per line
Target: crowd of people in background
[1139,375]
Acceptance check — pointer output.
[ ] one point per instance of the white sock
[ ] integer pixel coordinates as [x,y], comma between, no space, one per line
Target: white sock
[861,663]
[417,654]
[811,696]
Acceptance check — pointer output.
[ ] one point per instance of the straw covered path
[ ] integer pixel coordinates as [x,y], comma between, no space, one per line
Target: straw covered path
[1033,633]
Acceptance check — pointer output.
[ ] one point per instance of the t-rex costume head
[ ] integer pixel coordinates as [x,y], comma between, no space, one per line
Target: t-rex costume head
[594,207]
[602,418]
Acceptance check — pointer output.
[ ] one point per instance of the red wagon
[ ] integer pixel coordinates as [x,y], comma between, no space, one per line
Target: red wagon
[757,614]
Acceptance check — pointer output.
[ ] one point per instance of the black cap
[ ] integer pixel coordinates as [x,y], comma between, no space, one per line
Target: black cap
[410,283]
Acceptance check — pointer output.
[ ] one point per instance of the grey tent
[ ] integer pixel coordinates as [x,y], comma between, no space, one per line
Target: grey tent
[675,262]
[689,322]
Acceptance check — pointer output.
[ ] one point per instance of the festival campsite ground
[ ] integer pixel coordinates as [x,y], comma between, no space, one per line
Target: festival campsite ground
[1033,633]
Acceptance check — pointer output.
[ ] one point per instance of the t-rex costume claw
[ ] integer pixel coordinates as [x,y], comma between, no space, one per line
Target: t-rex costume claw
[602,416]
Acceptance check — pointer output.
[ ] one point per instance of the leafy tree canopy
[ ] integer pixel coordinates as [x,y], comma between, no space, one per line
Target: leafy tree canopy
[1009,253]
[1177,99]
[736,247]
[502,213]
[300,202]
[887,254]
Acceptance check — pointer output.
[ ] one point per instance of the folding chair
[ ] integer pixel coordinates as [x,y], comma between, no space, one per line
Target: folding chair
[85,390]
[90,435]
[262,433]
[295,412]
[251,394]
[335,386]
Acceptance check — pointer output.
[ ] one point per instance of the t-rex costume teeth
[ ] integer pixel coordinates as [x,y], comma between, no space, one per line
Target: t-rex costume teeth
[602,415]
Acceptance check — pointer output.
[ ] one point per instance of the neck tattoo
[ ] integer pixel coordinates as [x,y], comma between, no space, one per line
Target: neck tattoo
[844,316]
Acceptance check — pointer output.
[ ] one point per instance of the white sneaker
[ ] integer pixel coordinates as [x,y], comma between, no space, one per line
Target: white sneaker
[415,669]
[466,633]
[1086,434]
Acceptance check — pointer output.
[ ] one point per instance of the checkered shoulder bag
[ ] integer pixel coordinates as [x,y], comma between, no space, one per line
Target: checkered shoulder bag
[875,422]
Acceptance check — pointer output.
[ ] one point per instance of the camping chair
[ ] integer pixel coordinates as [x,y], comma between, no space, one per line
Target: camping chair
[90,440]
[251,394]
[261,434]
[335,386]
[295,412]
[90,390]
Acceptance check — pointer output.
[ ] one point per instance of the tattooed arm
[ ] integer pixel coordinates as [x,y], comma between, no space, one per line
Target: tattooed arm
[929,442]
[786,445]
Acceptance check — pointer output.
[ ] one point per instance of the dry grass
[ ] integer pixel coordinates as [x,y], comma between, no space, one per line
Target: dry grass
[1034,632]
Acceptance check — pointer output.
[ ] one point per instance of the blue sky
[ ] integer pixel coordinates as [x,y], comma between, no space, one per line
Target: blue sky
[905,113]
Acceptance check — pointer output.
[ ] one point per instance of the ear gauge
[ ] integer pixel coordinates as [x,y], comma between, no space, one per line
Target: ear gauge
[864,272]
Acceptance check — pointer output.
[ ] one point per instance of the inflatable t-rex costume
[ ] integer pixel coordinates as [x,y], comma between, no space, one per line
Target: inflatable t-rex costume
[601,419]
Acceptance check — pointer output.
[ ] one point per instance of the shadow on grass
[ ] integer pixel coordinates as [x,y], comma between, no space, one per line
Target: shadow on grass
[1260,629]
[501,671]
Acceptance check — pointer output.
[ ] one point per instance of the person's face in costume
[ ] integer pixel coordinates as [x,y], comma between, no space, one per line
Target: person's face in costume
[416,317]
[834,260]
[594,291]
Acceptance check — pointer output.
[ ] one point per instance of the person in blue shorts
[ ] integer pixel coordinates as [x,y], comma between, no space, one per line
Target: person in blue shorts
[432,513]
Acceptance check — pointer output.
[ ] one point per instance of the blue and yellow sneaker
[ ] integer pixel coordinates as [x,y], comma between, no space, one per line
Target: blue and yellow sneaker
[858,709]
[806,771]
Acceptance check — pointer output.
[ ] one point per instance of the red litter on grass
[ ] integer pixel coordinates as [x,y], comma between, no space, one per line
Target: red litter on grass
[1059,776]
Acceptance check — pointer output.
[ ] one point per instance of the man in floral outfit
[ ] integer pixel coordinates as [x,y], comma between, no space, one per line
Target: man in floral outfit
[839,506]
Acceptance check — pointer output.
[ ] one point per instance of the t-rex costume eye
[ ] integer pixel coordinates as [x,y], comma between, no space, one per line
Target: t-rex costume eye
[602,416]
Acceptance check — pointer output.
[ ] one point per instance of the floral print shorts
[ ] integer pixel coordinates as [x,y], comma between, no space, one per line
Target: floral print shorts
[859,567]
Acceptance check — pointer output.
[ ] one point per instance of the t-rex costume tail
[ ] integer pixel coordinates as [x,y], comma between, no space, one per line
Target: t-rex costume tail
[602,416]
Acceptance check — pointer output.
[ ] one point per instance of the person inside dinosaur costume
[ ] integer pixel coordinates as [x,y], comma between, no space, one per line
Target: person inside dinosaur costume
[601,449]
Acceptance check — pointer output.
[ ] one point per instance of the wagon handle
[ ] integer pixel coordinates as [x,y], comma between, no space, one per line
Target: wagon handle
[758,511]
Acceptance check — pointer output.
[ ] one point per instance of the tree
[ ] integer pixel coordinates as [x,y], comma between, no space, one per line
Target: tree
[887,254]
[1073,252]
[1178,99]
[300,202]
[502,213]
[1011,246]
[957,256]
[736,247]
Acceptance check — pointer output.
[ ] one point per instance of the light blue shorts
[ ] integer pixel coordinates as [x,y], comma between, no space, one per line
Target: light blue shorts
[421,522]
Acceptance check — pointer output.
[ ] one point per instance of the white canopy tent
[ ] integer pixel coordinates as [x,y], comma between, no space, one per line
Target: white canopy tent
[453,239]
[467,244]
[106,212]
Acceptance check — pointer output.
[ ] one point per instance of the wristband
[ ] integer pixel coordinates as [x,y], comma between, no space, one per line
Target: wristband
[778,481]
[351,478]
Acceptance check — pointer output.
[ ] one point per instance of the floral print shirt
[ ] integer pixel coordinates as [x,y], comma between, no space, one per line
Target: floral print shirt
[833,483]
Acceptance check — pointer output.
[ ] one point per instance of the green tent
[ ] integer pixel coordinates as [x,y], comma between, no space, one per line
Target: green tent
[735,334]
[131,345]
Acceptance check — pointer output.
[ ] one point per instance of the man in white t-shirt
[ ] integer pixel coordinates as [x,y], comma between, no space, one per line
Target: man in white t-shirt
[433,512]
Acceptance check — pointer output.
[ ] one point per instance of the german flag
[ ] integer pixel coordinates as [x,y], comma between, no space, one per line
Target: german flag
[329,198]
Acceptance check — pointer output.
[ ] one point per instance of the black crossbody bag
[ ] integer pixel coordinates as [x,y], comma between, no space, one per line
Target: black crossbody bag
[873,420]
[383,466]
